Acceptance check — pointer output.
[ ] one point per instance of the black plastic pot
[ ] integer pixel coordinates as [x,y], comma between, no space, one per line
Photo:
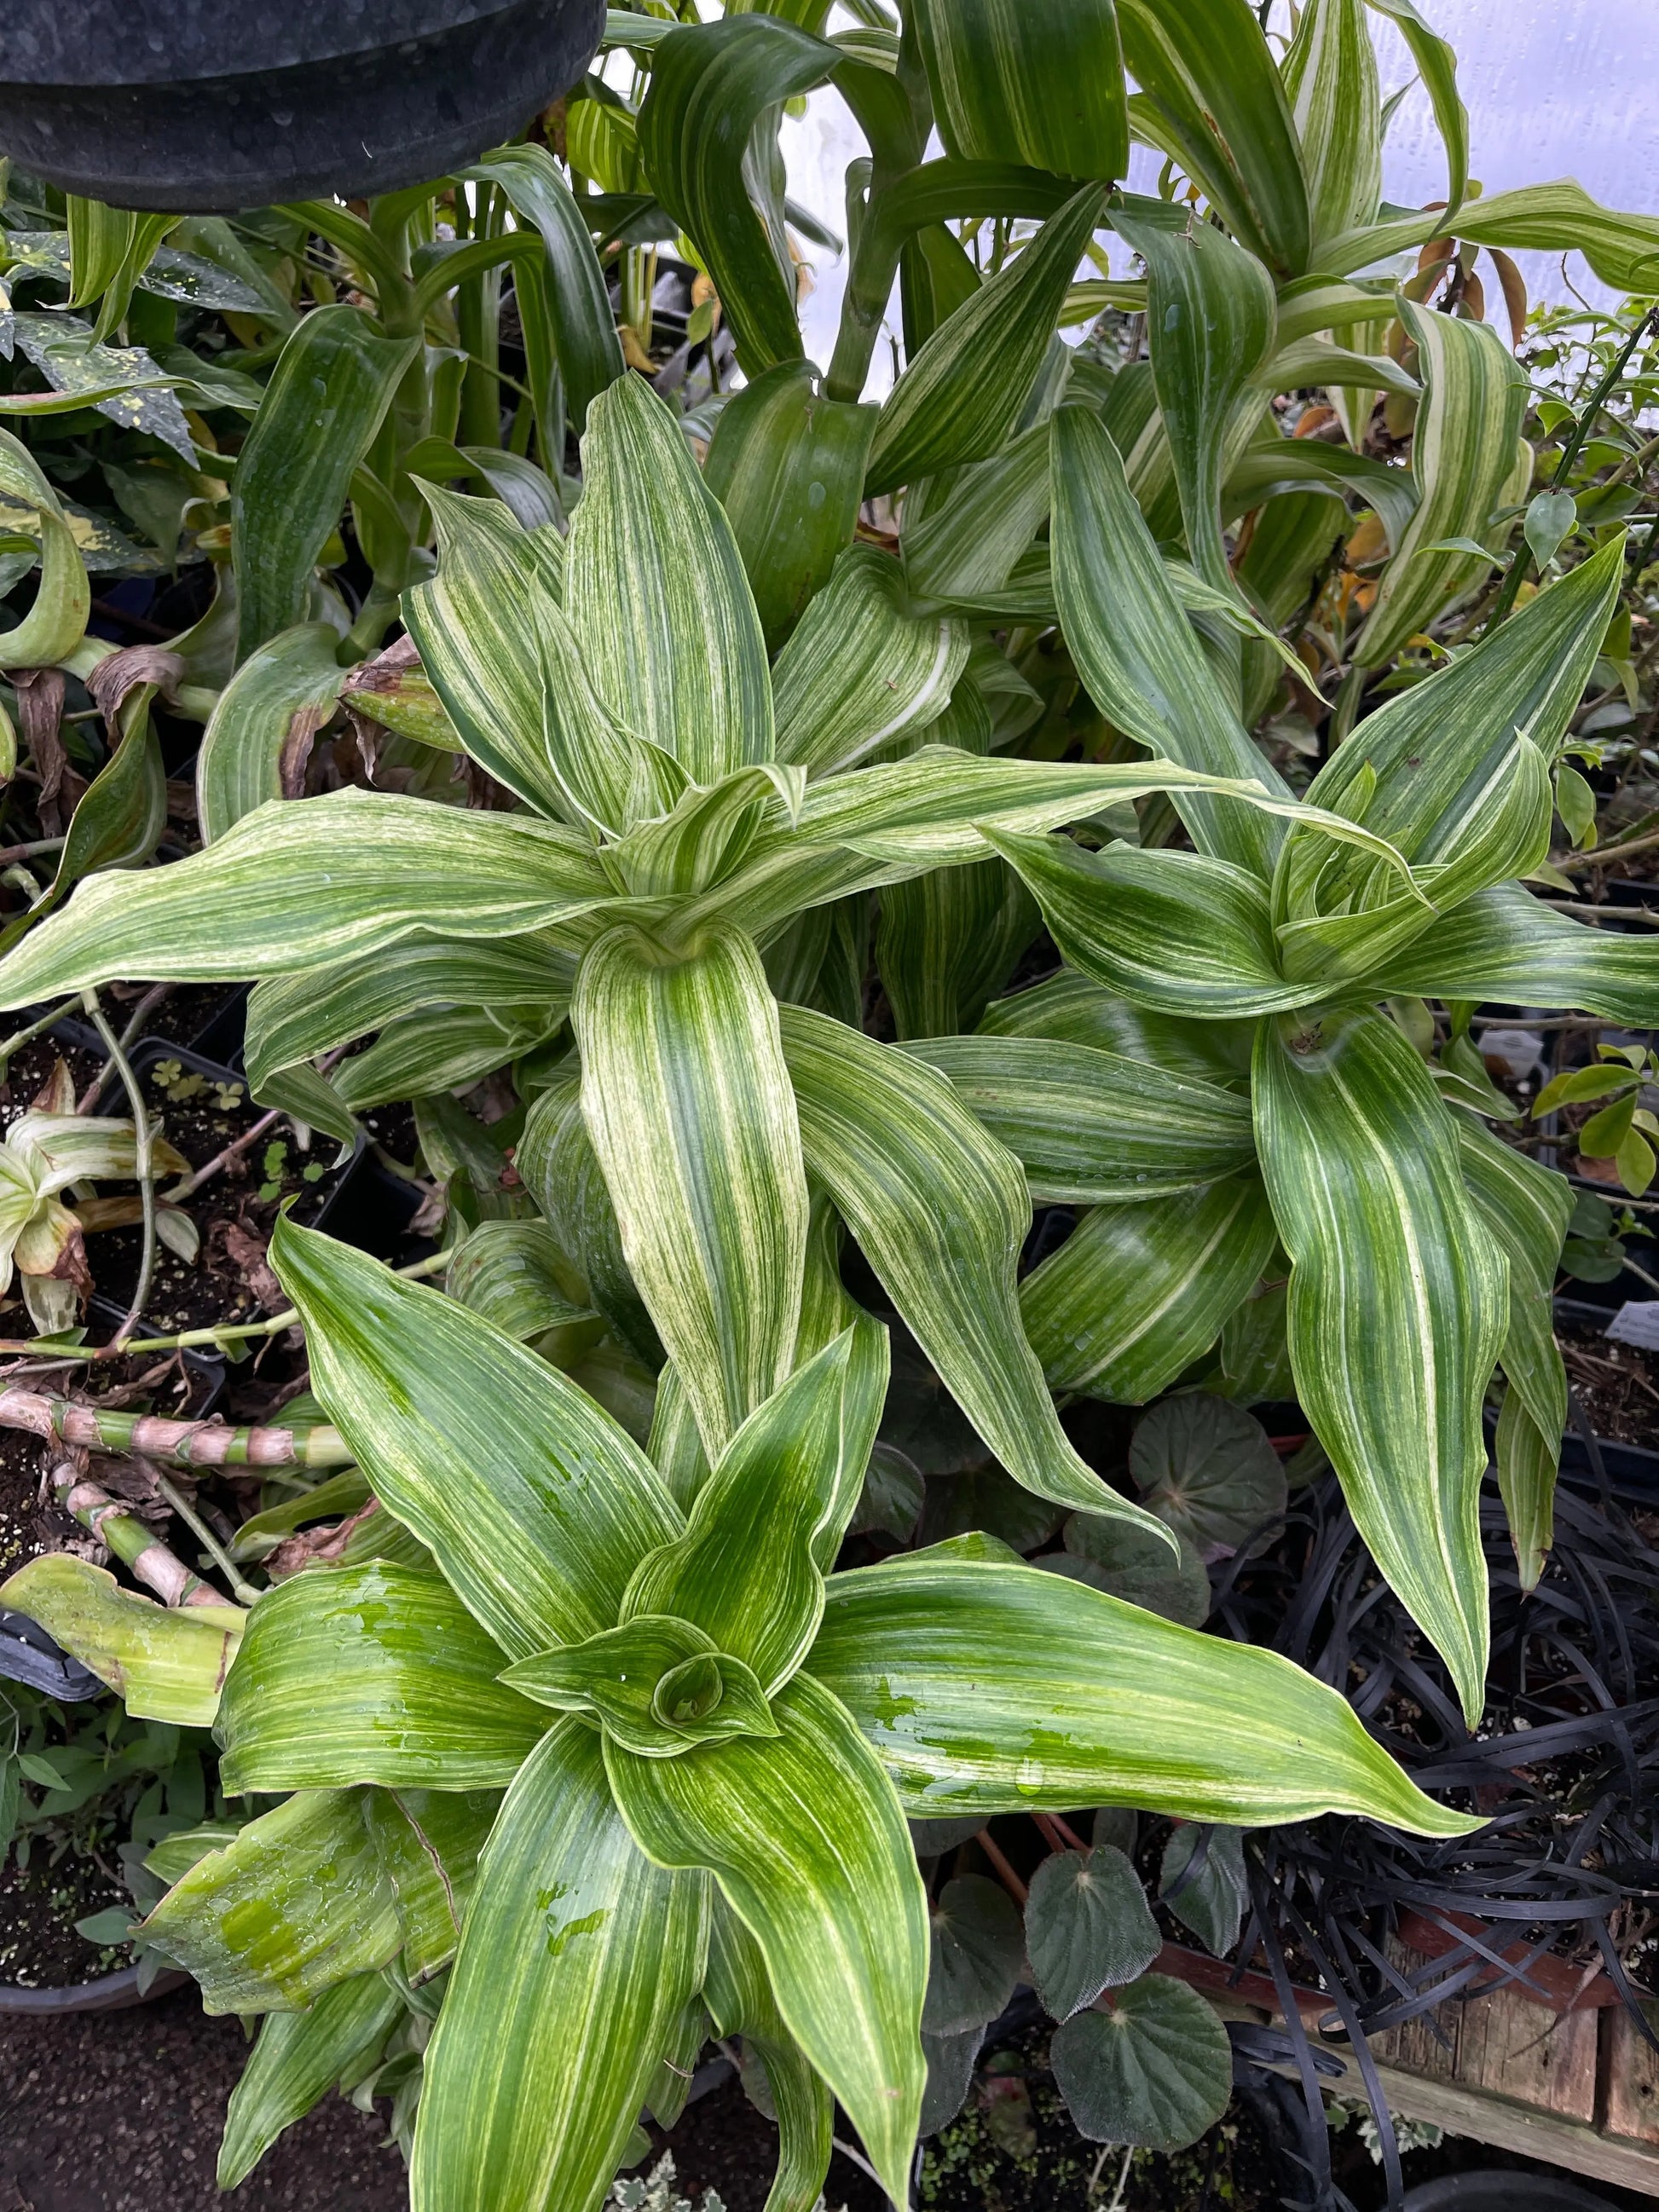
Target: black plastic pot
[117,1992]
[1498,2192]
[193,105]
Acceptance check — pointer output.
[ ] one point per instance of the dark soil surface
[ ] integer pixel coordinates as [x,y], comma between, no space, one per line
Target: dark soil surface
[27,1525]
[40,1948]
[1618,1385]
[122,2113]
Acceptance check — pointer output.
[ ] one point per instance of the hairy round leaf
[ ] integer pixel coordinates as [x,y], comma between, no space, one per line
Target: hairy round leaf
[1205,1467]
[1088,1928]
[891,1499]
[1111,1556]
[986,1499]
[933,1838]
[1156,2070]
[950,2070]
[1209,1897]
[977,1953]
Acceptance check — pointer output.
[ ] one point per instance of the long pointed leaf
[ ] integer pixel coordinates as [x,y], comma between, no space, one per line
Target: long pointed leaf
[804,1837]
[535,1503]
[1069,1697]
[577,1955]
[370,1673]
[941,1212]
[1505,944]
[1330,74]
[260,734]
[298,2058]
[1136,1293]
[688,1102]
[739,1999]
[1398,1306]
[306,884]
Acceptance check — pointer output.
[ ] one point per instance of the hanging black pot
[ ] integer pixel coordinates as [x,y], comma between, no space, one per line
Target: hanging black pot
[205,106]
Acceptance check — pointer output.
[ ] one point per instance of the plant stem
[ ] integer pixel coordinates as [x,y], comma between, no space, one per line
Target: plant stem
[18,1038]
[993,1852]
[193,1182]
[190,1443]
[155,996]
[215,1551]
[145,1168]
[144,1554]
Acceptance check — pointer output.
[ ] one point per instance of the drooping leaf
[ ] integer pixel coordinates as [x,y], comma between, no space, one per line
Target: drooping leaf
[327,397]
[1088,1928]
[298,1902]
[166,1663]
[1071,1010]
[656,594]
[55,624]
[577,1956]
[1089,1126]
[804,1837]
[962,395]
[940,1211]
[1008,87]
[1156,2070]
[260,734]
[977,1953]
[535,1503]
[1211,323]
[788,464]
[688,1102]
[1398,1306]
[861,669]
[739,1999]
[516,1275]
[370,1673]
[1075,1698]
[1505,945]
[710,86]
[1134,647]
[298,2058]
[589,353]
[306,884]
[1214,101]
[1136,1292]
[560,1168]
[1463,452]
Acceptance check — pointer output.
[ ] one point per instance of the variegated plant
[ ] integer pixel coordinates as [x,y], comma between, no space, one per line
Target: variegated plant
[708,1742]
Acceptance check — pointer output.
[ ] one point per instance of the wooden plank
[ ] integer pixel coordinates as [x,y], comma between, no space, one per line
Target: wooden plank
[1630,2072]
[1530,2053]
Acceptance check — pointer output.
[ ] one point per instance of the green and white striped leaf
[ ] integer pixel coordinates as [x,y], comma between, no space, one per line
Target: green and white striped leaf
[994,1689]
[1527,1461]
[805,1838]
[536,1505]
[297,2059]
[1463,453]
[961,544]
[306,884]
[1071,1010]
[1136,1293]
[292,1018]
[297,1902]
[656,594]
[559,1167]
[443,1050]
[1134,647]
[1211,97]
[1330,76]
[940,1212]
[739,1999]
[584,329]
[787,465]
[1437,65]
[861,669]
[749,1570]
[428,1841]
[1398,1308]
[1091,1128]
[259,736]
[963,395]
[577,1956]
[370,1673]
[1210,320]
[327,397]
[1173,930]
[1506,946]
[1526,1208]
[711,86]
[515,1273]
[479,625]
[1562,217]
[1008,85]
[945,941]
[164,1663]
[689,1107]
